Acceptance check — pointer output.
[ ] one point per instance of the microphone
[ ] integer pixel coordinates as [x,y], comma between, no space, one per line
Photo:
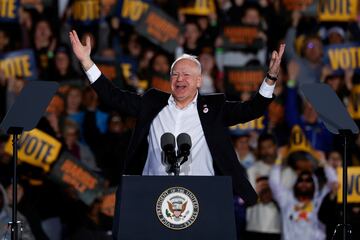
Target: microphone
[172,159]
[167,142]
[184,146]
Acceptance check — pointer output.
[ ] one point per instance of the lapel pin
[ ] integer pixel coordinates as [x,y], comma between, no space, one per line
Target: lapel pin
[205,110]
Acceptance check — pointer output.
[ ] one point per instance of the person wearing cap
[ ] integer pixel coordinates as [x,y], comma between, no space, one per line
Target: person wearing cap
[336,35]
[304,64]
[300,205]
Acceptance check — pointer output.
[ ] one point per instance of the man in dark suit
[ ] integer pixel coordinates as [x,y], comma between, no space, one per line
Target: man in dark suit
[204,118]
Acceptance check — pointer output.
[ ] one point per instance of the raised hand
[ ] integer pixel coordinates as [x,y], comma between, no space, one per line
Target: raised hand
[293,69]
[295,18]
[274,66]
[82,52]
[281,154]
[321,158]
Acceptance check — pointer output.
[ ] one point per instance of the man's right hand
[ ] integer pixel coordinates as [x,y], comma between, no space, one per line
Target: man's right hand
[82,52]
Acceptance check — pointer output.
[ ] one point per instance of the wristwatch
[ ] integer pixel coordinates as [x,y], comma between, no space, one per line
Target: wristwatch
[271,77]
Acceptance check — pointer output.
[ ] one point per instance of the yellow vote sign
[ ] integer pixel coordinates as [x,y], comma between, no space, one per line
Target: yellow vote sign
[16,66]
[353,194]
[36,148]
[8,9]
[199,7]
[133,9]
[338,10]
[354,102]
[86,10]
[126,69]
[256,124]
[20,63]
[344,56]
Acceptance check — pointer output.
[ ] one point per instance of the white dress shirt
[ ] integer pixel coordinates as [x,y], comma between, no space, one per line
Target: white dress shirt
[174,120]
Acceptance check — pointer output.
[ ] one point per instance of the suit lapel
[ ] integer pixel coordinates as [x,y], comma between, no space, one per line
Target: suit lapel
[154,107]
[151,106]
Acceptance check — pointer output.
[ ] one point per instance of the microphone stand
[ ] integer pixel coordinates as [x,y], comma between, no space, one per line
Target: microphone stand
[171,159]
[179,161]
[344,230]
[177,168]
[15,132]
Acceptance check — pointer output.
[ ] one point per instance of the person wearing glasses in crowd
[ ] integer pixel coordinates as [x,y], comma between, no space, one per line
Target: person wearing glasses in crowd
[299,206]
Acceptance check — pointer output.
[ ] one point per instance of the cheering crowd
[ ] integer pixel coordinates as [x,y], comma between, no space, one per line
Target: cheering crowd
[291,159]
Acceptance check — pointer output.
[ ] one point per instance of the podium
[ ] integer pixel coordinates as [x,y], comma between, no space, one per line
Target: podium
[174,207]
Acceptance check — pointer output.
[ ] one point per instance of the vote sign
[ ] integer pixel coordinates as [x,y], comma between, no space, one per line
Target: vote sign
[36,148]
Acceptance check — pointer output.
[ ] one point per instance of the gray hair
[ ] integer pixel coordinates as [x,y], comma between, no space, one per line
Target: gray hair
[192,58]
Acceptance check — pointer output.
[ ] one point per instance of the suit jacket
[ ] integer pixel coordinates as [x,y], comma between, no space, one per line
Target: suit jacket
[215,122]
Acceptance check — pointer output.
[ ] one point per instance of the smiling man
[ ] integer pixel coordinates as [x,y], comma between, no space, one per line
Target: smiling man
[184,110]
[185,76]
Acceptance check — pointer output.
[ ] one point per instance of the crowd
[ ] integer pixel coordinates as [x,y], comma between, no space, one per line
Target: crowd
[290,157]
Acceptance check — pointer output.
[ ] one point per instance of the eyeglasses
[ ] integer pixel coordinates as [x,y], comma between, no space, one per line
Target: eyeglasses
[311,45]
[184,75]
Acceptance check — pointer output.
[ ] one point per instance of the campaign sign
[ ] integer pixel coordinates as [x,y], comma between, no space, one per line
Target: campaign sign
[242,79]
[343,56]
[107,67]
[240,37]
[353,106]
[353,191]
[244,128]
[199,7]
[36,148]
[112,68]
[19,64]
[159,28]
[161,82]
[86,12]
[132,10]
[338,10]
[9,10]
[108,202]
[69,171]
[128,66]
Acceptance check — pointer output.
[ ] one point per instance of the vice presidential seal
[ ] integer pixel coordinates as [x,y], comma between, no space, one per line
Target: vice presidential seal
[177,208]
